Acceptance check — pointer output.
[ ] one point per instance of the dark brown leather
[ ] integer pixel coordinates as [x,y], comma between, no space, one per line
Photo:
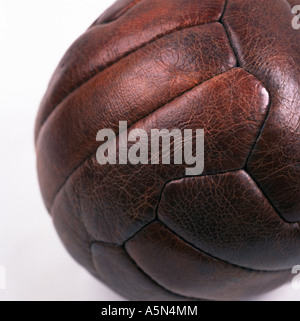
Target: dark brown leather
[275,160]
[123,206]
[258,234]
[185,270]
[293,3]
[106,44]
[122,274]
[145,84]
[149,232]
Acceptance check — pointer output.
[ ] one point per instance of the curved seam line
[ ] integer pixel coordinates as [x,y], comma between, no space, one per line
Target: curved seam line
[228,36]
[165,185]
[267,116]
[84,228]
[157,207]
[259,135]
[265,86]
[160,196]
[142,271]
[223,11]
[236,171]
[154,281]
[267,199]
[158,108]
[158,284]
[218,259]
[119,14]
[156,38]
[141,229]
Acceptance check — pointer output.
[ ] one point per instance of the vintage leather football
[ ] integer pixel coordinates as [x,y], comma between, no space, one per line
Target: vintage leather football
[151,232]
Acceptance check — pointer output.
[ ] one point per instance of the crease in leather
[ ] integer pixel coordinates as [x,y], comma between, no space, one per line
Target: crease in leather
[158,37]
[91,154]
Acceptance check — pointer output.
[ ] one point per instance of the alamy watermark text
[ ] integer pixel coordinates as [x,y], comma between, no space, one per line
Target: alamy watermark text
[296,279]
[296,19]
[188,146]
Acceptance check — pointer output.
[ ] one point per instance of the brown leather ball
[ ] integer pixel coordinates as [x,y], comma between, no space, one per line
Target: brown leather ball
[150,232]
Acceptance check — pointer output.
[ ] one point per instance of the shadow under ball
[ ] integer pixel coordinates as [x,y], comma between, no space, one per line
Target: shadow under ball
[150,232]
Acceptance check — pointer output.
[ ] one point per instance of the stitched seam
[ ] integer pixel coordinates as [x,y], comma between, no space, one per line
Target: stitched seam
[157,219]
[121,12]
[156,210]
[200,250]
[163,189]
[155,282]
[145,274]
[97,72]
[157,206]
[266,118]
[240,65]
[228,36]
[218,259]
[238,266]
[91,154]
[246,169]
[267,198]
[160,196]
[140,230]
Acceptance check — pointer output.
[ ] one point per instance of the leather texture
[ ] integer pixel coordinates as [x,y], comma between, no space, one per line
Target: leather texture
[149,232]
[293,2]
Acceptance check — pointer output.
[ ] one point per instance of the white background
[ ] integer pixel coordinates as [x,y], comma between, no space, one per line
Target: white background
[33,37]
